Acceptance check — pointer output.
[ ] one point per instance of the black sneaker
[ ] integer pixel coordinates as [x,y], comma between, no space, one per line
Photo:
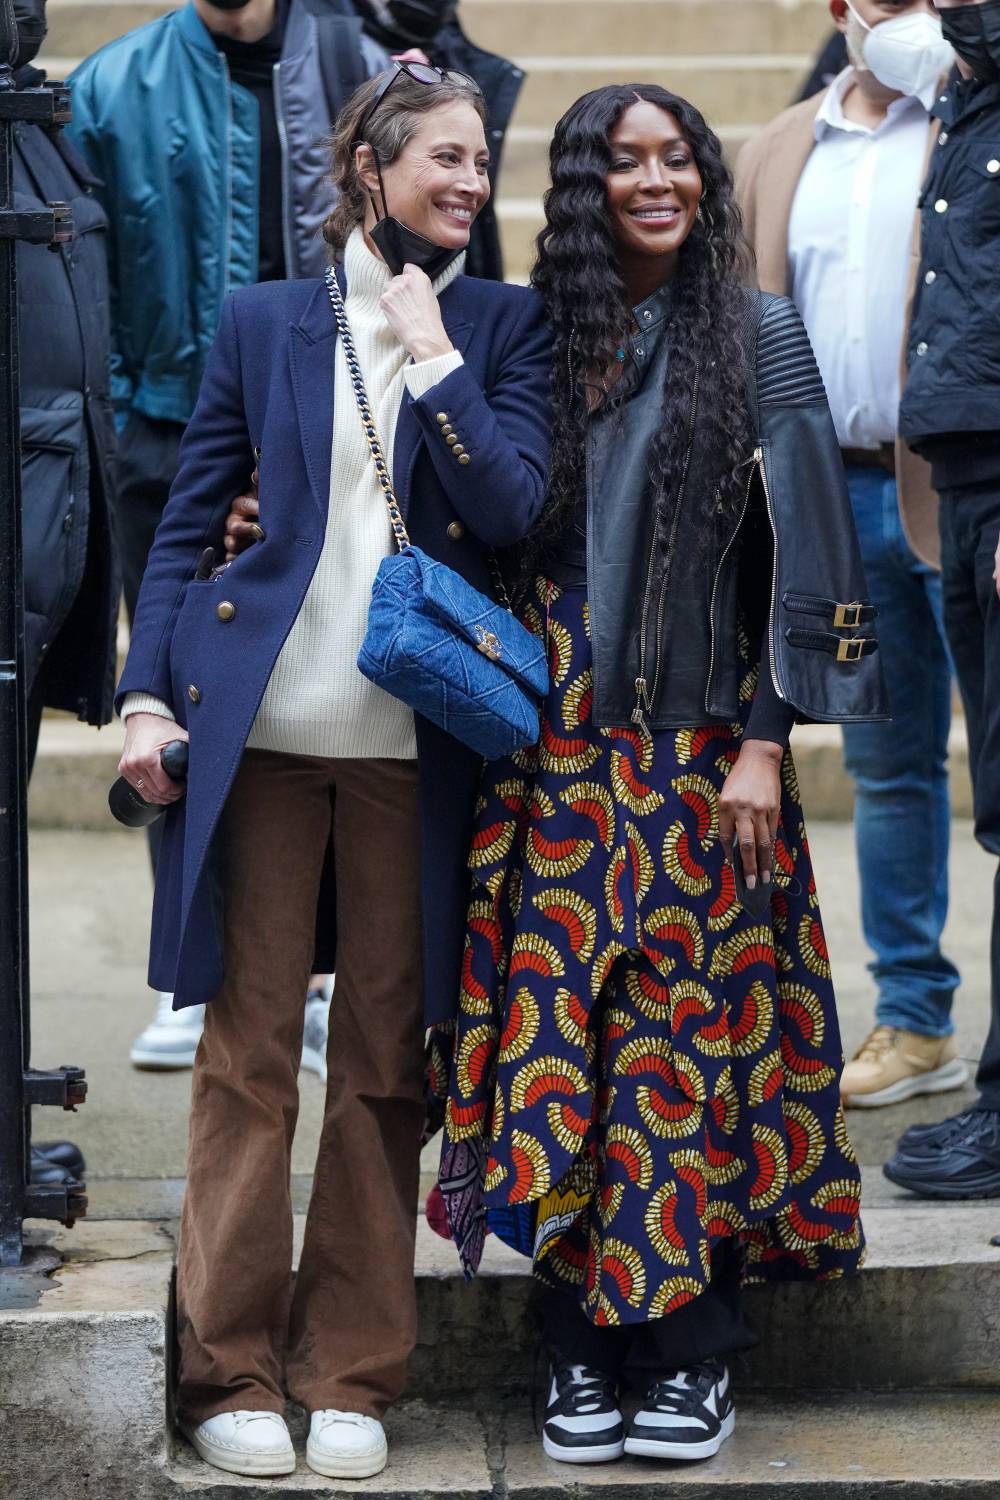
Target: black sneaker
[583,1424]
[916,1137]
[962,1162]
[64,1154]
[687,1415]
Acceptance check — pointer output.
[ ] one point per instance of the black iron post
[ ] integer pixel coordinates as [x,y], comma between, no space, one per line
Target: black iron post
[20,1086]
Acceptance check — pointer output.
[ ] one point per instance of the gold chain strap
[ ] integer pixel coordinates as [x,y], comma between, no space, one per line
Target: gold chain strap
[367,415]
[399,530]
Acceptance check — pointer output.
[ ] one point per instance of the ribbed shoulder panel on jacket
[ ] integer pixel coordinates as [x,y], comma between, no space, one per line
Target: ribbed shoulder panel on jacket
[787,372]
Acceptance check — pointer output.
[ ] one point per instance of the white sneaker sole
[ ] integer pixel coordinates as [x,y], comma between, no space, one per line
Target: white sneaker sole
[260,1465]
[162,1062]
[601,1453]
[953,1075]
[350,1466]
[648,1448]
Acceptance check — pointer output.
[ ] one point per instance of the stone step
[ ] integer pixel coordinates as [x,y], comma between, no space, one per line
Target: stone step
[571,27]
[76,765]
[868,1448]
[909,1348]
[749,90]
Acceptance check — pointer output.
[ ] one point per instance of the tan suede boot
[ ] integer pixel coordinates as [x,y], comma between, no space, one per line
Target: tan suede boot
[892,1064]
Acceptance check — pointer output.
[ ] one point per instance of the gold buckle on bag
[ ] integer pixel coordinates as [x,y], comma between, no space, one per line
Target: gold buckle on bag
[847,616]
[852,650]
[488,643]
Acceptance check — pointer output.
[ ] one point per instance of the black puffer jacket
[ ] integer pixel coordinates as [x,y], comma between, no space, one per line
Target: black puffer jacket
[71,584]
[666,637]
[953,385]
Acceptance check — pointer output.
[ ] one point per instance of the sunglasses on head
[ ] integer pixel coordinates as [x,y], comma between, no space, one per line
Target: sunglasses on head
[420,73]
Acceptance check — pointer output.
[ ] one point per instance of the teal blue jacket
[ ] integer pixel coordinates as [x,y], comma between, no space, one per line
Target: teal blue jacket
[177,145]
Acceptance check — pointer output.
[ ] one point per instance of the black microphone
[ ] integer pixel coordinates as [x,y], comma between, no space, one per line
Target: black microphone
[133,810]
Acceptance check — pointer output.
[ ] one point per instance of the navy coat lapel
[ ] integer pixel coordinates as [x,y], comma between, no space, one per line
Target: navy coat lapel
[311,347]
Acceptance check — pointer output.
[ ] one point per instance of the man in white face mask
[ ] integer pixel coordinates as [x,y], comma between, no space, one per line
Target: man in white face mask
[830,191]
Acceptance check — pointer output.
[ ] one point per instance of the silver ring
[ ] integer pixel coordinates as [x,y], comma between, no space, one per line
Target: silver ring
[139,783]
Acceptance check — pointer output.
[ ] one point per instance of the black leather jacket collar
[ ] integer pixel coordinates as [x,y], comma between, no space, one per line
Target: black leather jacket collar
[666,656]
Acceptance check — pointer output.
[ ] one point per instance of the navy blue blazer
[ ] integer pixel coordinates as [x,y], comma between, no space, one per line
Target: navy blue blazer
[268,384]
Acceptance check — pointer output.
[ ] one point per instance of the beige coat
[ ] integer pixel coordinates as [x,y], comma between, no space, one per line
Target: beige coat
[767,176]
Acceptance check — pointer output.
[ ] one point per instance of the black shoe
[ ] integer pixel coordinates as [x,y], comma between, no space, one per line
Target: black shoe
[583,1424]
[917,1137]
[64,1154]
[961,1162]
[687,1415]
[45,1173]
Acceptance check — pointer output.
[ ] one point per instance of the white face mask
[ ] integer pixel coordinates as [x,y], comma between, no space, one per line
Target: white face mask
[907,54]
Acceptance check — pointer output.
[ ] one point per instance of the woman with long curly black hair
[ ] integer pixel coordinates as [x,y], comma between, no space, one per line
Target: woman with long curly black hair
[644,1095]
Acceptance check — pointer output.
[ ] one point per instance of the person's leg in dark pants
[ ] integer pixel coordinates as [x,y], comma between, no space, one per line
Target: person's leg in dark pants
[679,1363]
[146,465]
[961,1157]
[147,462]
[970,526]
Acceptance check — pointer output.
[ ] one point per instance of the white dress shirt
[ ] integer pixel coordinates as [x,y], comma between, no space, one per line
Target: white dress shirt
[849,251]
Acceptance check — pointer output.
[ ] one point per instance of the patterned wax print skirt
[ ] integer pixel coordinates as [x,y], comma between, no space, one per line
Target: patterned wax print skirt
[640,1069]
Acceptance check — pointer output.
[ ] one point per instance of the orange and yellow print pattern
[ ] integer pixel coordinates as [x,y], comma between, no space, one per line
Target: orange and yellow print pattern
[640,1069]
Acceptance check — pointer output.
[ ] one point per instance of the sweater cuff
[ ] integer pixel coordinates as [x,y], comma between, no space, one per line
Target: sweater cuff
[145,703]
[423,377]
[770,718]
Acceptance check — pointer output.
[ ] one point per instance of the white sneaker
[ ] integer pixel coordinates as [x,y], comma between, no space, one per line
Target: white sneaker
[171,1038]
[244,1442]
[316,1029]
[346,1445]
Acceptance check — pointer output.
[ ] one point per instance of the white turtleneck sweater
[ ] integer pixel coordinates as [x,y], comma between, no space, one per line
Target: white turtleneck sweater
[317,702]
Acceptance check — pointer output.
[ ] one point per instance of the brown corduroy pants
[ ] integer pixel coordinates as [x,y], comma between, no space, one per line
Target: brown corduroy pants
[343,1339]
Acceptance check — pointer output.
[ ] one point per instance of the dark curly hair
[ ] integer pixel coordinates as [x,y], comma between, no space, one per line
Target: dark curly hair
[578,274]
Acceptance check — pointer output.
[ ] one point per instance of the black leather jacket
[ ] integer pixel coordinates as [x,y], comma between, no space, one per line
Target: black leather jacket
[665,639]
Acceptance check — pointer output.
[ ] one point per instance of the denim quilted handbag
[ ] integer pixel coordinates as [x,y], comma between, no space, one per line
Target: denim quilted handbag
[435,642]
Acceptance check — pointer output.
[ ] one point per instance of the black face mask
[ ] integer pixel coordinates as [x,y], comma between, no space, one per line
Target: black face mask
[29,16]
[974,32]
[405,23]
[401,246]
[229,4]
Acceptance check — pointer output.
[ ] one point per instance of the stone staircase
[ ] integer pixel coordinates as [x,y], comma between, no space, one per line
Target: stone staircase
[740,61]
[880,1389]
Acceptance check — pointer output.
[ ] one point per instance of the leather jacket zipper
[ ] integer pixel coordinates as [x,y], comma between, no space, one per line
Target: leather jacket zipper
[754,464]
[759,456]
[644,698]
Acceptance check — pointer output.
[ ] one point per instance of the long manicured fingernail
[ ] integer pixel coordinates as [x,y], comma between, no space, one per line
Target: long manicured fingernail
[751,882]
[766,877]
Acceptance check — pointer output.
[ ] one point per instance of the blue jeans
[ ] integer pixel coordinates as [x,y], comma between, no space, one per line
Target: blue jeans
[900,773]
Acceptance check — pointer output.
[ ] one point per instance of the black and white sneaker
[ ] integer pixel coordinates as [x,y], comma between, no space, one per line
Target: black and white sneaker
[583,1424]
[687,1415]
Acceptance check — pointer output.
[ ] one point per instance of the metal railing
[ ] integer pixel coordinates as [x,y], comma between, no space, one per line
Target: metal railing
[21,1086]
